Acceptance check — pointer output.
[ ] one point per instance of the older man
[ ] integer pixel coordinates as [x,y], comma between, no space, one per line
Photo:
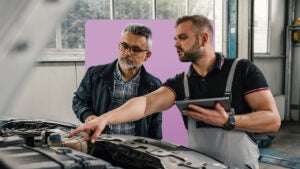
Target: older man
[106,87]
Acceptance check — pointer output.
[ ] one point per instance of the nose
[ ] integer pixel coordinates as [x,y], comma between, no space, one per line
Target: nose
[177,44]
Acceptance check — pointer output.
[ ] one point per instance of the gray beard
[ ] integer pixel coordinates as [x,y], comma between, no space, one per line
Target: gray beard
[127,66]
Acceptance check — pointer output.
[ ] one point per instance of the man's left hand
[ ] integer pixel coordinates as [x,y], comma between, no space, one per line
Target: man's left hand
[215,117]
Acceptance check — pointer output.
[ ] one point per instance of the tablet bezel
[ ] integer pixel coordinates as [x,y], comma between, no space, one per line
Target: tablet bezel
[208,103]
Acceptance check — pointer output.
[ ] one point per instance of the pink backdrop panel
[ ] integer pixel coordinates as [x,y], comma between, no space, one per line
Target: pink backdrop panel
[102,38]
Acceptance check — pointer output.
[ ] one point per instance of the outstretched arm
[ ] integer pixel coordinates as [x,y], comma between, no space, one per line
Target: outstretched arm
[136,108]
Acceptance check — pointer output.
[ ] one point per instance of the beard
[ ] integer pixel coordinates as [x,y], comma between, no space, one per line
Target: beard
[192,54]
[127,63]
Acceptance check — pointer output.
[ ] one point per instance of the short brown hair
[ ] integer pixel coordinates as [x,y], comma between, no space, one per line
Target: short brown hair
[199,21]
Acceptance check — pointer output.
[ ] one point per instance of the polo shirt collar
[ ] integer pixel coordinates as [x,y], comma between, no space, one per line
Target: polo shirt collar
[217,65]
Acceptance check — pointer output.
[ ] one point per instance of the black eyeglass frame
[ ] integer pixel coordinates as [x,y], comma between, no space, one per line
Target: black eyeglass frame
[123,46]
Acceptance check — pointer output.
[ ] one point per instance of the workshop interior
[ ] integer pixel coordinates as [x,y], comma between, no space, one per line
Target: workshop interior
[43,58]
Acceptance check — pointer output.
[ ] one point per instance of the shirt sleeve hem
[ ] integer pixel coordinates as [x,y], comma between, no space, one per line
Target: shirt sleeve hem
[174,93]
[257,90]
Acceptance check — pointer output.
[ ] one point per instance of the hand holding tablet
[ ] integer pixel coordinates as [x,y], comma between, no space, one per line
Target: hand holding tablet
[206,103]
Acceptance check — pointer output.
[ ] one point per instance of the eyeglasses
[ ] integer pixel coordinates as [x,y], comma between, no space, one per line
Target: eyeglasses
[123,46]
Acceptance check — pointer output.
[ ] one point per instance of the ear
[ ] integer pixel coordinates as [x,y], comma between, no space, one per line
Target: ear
[203,38]
[148,54]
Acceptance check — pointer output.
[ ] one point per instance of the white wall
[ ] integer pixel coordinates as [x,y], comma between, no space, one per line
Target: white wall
[47,92]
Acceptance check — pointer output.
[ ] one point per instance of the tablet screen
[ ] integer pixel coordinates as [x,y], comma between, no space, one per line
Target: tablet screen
[206,103]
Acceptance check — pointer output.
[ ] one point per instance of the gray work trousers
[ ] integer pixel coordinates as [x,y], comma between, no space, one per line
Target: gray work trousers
[234,148]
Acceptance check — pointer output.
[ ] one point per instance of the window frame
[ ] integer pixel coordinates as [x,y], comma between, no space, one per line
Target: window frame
[268,47]
[58,53]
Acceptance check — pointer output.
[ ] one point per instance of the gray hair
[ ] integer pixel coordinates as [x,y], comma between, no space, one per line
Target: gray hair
[139,29]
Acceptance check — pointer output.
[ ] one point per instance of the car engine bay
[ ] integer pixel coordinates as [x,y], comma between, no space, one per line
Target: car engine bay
[44,144]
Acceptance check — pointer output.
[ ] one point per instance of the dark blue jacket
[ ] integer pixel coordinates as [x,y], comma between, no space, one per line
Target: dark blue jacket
[94,96]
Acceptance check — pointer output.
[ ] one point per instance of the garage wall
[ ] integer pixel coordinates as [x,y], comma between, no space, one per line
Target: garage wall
[272,64]
[47,92]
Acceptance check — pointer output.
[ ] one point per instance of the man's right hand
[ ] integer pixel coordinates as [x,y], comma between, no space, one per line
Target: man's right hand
[91,130]
[90,118]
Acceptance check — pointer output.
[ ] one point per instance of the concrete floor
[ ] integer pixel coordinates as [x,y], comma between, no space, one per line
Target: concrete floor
[287,140]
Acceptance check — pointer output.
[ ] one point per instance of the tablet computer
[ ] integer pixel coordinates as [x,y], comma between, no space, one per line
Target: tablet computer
[206,103]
